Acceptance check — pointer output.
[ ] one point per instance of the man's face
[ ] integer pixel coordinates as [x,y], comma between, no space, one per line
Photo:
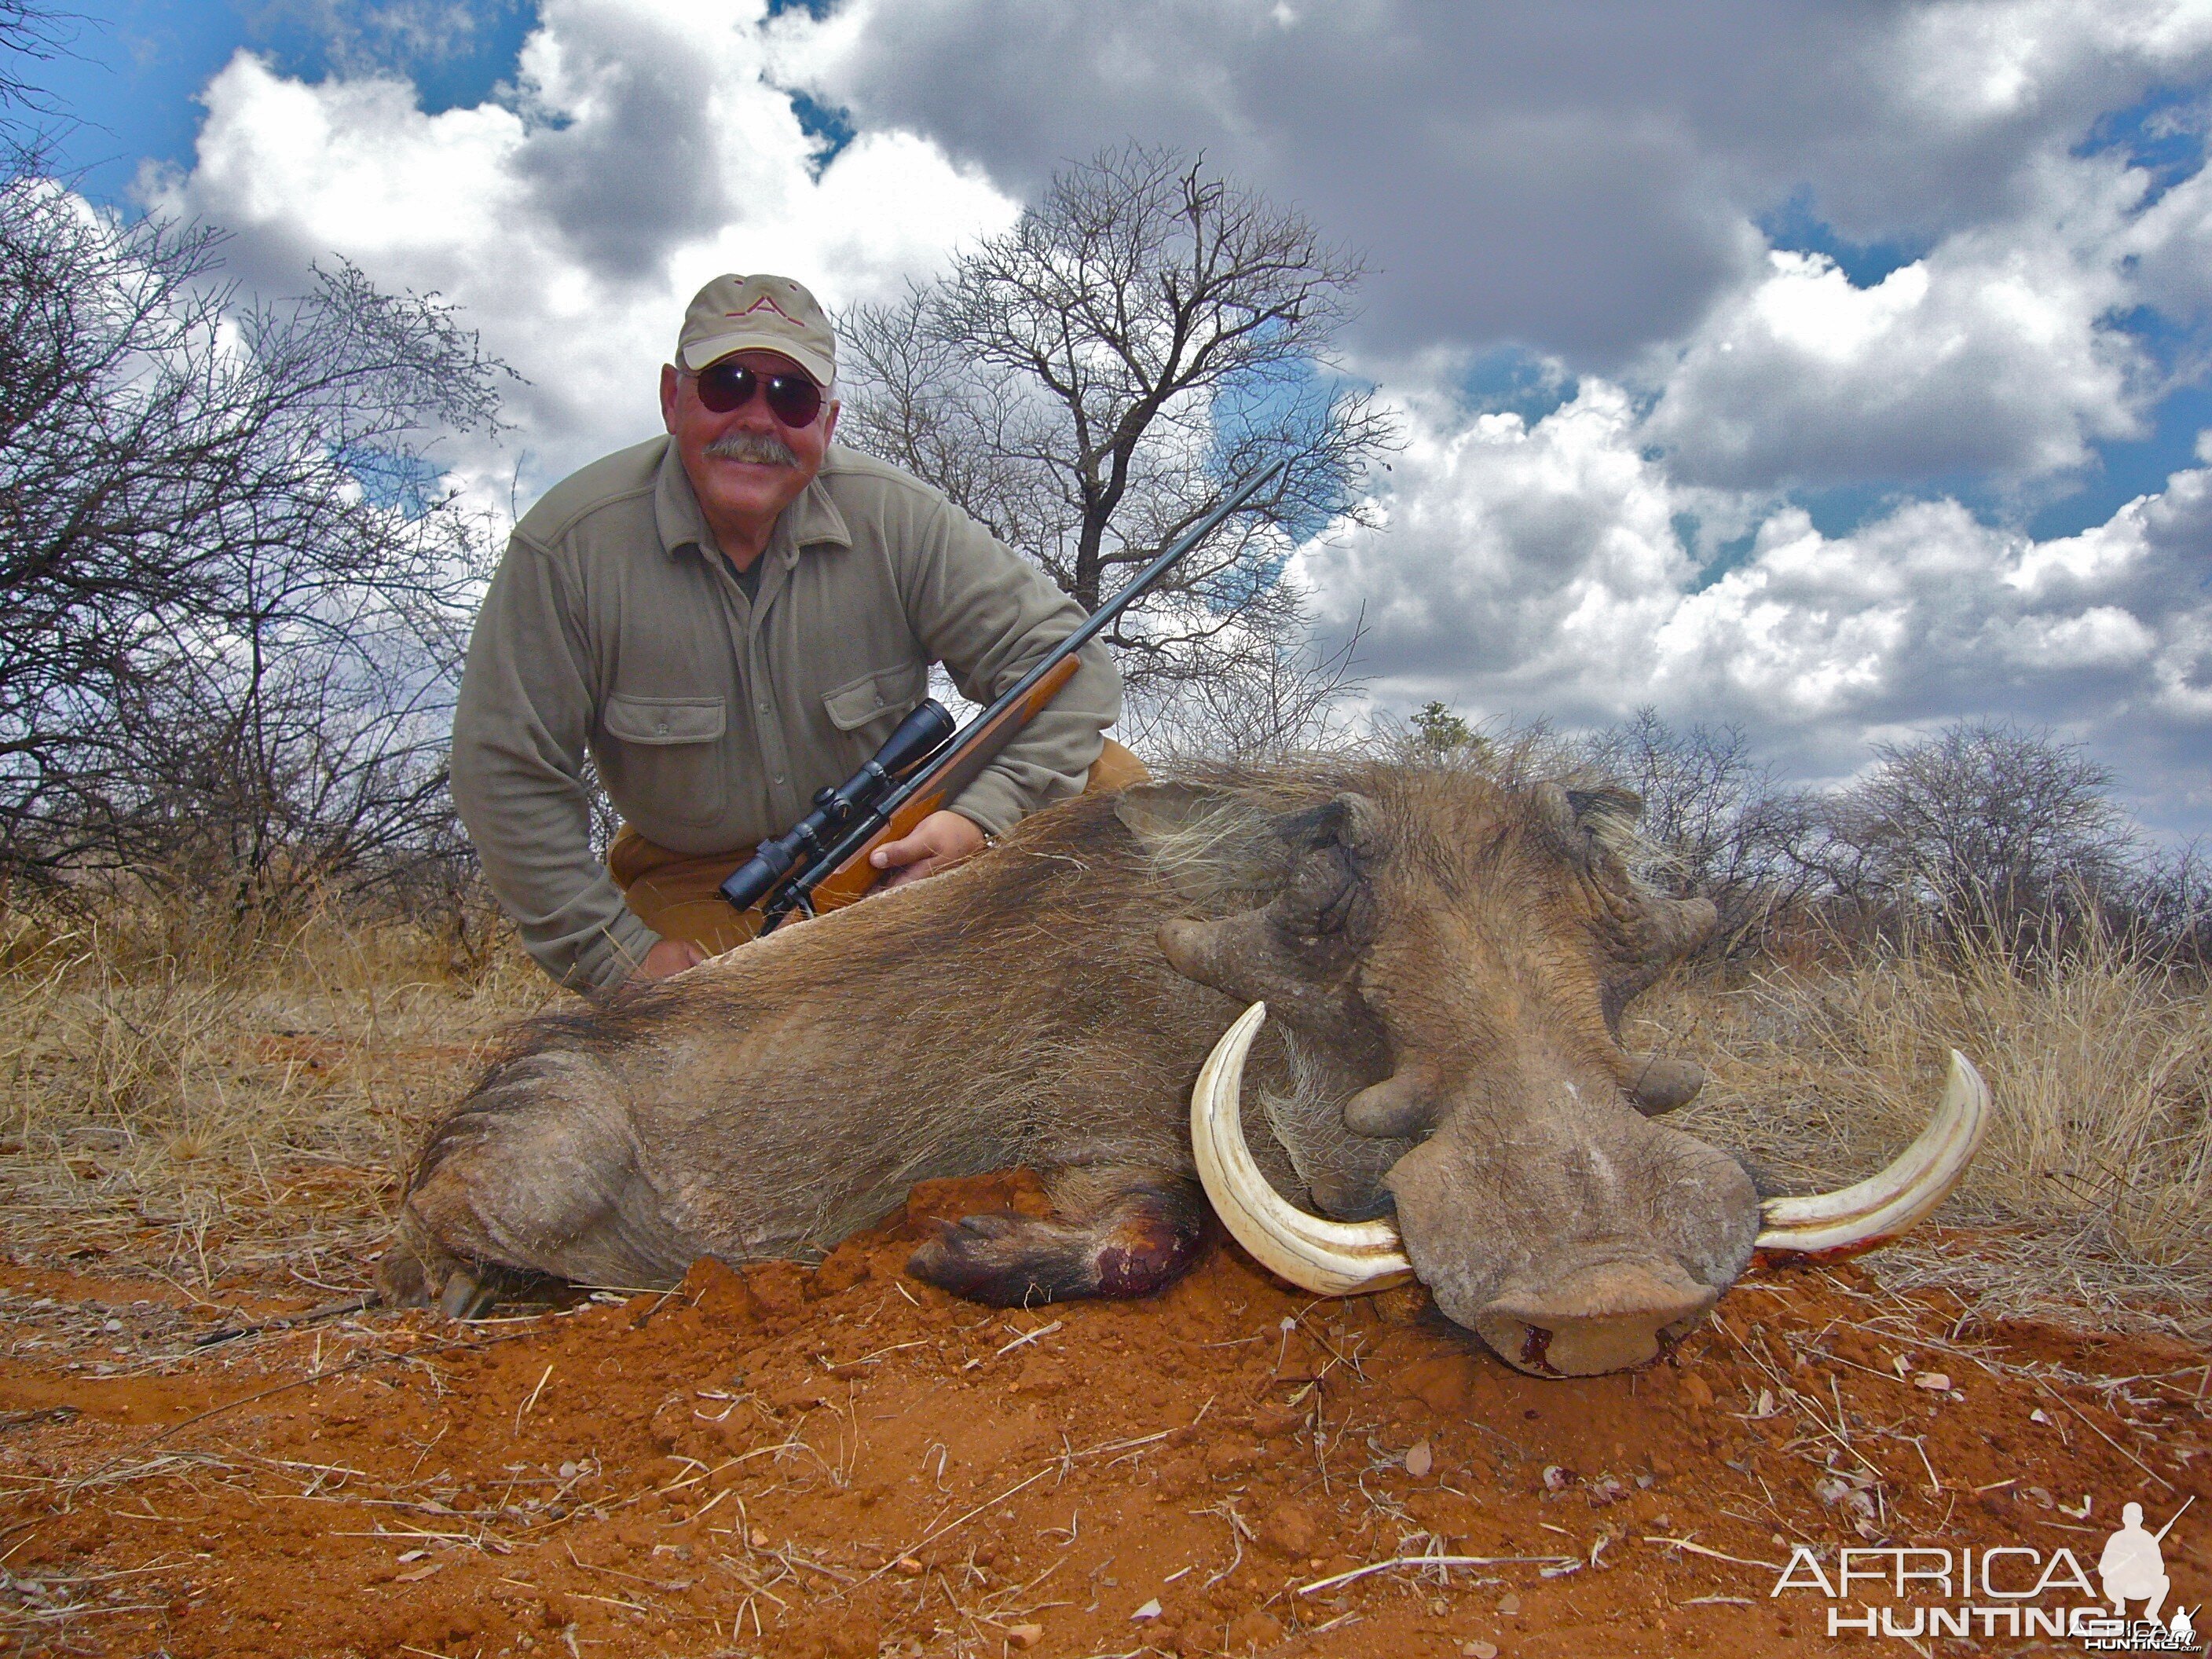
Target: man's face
[746,467]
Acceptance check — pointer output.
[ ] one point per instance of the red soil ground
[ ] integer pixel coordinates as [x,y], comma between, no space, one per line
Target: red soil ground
[843,1461]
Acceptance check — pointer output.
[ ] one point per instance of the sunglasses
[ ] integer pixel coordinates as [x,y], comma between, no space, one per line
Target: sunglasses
[724,387]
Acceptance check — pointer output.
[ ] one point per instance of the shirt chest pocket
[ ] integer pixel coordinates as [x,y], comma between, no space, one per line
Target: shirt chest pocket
[665,759]
[873,704]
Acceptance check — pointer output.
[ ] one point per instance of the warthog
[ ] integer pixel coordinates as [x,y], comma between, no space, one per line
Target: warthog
[1442,958]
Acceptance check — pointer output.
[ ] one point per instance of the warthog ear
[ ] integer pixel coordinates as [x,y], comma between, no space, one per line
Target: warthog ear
[1201,840]
[1296,952]
[1587,820]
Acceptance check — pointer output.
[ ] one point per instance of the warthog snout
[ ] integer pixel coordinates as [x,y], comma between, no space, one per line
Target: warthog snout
[1586,1321]
[1575,1240]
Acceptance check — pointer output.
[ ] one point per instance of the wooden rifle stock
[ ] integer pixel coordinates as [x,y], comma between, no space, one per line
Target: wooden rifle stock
[855,877]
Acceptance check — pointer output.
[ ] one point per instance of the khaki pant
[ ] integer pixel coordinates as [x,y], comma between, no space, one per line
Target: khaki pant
[679,895]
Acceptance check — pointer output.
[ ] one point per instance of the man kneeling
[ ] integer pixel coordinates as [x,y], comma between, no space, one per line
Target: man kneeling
[726,619]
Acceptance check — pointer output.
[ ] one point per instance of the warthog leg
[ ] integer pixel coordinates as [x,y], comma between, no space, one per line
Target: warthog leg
[1116,1231]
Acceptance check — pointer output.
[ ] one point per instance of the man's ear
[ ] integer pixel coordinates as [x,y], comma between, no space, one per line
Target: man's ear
[668,396]
[829,422]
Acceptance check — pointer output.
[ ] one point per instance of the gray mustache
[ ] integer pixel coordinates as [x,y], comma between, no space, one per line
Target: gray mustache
[759,447]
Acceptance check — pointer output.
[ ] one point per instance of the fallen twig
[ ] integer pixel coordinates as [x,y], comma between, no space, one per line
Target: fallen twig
[1335,1579]
[1699,1549]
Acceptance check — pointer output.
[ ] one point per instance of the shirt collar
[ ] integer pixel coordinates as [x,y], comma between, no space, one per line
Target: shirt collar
[813,519]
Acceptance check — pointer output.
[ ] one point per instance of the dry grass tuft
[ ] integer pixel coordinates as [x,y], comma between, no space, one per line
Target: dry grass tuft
[175,1096]
[2098,1169]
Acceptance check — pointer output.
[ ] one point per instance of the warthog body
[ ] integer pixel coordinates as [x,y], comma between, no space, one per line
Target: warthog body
[1444,958]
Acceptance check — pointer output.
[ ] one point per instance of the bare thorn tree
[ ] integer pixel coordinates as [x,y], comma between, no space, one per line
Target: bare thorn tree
[2000,834]
[1091,383]
[235,587]
[31,32]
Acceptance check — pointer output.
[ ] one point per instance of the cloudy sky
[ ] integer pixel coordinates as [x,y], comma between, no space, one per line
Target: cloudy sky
[1834,370]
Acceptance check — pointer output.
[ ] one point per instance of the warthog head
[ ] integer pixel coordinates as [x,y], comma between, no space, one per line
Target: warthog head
[1464,973]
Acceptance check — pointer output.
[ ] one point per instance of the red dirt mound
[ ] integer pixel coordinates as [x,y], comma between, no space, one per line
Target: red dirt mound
[843,1461]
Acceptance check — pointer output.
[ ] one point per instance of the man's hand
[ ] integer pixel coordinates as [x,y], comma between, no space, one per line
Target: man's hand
[669,956]
[939,842]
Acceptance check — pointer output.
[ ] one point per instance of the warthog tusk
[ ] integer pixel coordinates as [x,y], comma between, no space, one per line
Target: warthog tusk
[1331,1258]
[1885,1205]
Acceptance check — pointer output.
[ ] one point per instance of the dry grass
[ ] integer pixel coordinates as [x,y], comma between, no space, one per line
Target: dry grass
[175,1098]
[2098,1170]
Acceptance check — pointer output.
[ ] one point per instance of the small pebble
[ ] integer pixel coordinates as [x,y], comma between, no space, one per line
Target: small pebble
[1479,1650]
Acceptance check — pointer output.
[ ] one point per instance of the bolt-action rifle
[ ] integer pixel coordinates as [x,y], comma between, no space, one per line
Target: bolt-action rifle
[821,863]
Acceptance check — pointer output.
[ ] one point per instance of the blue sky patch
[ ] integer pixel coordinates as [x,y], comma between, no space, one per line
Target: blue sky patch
[1718,560]
[1794,228]
[129,84]
[454,67]
[395,477]
[126,87]
[829,127]
[2130,470]
[1511,379]
[2162,133]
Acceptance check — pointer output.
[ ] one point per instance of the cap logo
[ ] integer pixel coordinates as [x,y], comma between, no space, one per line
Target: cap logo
[769,302]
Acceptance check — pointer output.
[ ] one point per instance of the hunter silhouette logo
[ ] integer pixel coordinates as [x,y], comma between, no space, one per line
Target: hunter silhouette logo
[2133,1569]
[2005,1589]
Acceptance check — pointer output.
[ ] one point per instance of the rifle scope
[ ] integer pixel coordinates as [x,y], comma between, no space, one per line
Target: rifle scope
[919,736]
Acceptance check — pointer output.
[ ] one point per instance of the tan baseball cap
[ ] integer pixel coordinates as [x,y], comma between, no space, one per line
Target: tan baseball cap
[757,313]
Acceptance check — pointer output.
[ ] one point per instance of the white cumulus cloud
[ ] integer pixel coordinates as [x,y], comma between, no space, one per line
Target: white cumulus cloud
[1538,568]
[1991,354]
